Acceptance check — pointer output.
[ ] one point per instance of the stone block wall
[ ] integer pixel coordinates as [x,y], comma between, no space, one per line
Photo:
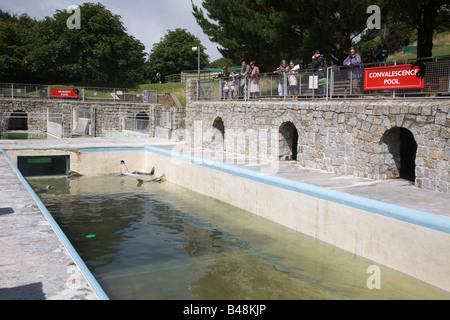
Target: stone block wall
[360,138]
[106,118]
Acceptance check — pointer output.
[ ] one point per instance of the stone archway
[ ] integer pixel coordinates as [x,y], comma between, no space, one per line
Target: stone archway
[18,120]
[218,124]
[288,142]
[142,121]
[216,135]
[403,148]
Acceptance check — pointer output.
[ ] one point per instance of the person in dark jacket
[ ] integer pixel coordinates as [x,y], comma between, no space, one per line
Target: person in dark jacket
[318,62]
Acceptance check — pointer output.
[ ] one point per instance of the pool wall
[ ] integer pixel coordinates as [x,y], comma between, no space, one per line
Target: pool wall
[413,242]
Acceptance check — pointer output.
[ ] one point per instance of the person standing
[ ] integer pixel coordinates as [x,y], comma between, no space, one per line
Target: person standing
[254,79]
[292,76]
[224,77]
[281,70]
[354,66]
[318,63]
[383,53]
[246,71]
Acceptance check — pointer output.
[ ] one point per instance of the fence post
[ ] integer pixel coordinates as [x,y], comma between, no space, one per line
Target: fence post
[326,94]
[351,82]
[12,90]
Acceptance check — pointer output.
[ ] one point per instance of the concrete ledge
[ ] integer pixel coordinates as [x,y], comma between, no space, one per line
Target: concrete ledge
[48,268]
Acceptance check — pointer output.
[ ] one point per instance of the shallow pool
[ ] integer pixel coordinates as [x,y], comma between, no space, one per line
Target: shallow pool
[23,135]
[162,241]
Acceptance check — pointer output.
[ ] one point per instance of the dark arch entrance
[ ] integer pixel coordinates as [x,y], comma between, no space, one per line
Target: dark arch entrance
[142,121]
[288,142]
[18,120]
[403,147]
[218,124]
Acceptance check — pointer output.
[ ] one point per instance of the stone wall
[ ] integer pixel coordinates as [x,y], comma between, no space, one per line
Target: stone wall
[360,138]
[379,139]
[105,118]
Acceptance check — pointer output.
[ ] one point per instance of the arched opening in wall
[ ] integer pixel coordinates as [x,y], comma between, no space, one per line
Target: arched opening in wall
[142,121]
[403,148]
[218,124]
[18,120]
[288,142]
[217,135]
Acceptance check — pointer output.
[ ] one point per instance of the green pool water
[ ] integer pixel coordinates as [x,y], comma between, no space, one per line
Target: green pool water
[161,241]
[23,135]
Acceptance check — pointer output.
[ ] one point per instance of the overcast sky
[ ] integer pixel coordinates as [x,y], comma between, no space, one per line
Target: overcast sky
[146,20]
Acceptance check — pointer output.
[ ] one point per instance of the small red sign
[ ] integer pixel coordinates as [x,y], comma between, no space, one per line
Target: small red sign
[393,77]
[63,93]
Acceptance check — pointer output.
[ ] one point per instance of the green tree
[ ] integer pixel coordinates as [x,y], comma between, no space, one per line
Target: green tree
[99,52]
[425,16]
[268,30]
[173,53]
[250,30]
[15,43]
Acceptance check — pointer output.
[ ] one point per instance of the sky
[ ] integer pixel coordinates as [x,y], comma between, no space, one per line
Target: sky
[146,20]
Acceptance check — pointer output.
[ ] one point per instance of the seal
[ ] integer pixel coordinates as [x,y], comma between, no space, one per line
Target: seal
[125,171]
[160,179]
[39,190]
[74,174]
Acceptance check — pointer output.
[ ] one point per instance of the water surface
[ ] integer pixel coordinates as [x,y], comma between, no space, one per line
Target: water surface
[162,241]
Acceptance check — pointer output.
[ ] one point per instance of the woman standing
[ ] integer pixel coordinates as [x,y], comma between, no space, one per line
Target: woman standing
[281,70]
[292,76]
[254,79]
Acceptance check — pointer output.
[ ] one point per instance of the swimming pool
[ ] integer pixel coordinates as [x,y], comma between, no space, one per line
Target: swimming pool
[163,241]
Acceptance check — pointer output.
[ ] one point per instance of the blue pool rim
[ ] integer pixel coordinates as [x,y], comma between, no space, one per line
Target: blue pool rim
[98,290]
[417,217]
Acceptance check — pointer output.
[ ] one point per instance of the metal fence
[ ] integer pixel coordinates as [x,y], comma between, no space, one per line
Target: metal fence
[37,91]
[337,82]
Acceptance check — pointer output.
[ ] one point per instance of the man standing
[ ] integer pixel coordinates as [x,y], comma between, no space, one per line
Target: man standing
[353,63]
[246,70]
[318,63]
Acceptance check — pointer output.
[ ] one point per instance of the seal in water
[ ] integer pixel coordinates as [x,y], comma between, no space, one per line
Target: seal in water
[38,190]
[74,174]
[135,173]
[160,179]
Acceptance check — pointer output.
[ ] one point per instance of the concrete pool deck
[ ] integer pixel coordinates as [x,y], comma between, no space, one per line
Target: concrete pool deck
[35,265]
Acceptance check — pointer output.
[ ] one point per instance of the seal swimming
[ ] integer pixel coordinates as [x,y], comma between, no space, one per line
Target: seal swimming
[125,172]
[160,179]
[39,190]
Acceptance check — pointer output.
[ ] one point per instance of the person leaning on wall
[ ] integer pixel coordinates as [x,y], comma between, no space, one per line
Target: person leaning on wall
[354,63]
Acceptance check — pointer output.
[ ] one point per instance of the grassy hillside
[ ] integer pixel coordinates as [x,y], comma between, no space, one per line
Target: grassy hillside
[178,88]
[441,47]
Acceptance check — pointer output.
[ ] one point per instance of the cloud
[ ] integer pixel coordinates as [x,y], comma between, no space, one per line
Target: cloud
[146,20]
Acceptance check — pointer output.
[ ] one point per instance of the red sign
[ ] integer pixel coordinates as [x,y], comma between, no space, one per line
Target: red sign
[393,77]
[63,93]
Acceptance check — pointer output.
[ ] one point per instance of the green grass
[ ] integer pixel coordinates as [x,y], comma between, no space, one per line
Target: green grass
[441,47]
[179,89]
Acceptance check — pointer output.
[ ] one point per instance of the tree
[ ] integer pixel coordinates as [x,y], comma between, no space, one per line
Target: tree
[269,30]
[174,53]
[425,16]
[335,26]
[15,43]
[99,52]
[250,30]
